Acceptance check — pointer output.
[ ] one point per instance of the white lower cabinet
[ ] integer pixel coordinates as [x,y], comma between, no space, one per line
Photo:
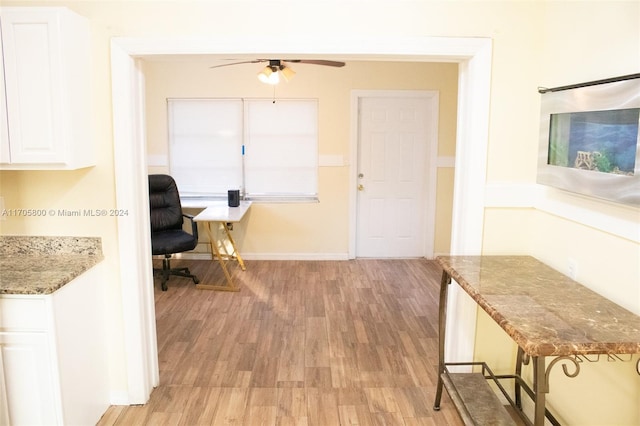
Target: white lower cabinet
[28,376]
[53,364]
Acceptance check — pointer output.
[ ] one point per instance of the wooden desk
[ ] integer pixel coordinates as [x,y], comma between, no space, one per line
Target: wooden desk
[547,314]
[221,215]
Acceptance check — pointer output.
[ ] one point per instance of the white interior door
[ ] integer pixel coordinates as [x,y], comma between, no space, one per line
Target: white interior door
[393,147]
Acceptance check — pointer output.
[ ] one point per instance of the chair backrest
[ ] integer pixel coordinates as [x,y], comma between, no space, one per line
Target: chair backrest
[164,203]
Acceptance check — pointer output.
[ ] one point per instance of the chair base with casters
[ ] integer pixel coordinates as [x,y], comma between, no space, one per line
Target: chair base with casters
[167,271]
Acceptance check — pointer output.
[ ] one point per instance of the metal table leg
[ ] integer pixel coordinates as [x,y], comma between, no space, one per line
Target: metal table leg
[540,389]
[442,322]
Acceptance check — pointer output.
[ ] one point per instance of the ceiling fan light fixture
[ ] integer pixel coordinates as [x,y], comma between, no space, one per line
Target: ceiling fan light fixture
[287,73]
[269,76]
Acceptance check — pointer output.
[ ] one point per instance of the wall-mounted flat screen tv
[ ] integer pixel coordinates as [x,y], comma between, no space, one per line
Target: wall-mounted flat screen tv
[590,140]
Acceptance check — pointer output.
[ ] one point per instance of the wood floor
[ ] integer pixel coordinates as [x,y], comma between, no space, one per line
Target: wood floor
[303,343]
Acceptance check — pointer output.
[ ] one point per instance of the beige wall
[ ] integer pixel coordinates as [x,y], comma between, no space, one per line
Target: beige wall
[307,229]
[603,41]
[535,43]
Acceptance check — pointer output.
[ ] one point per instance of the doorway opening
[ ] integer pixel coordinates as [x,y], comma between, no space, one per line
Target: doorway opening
[474,58]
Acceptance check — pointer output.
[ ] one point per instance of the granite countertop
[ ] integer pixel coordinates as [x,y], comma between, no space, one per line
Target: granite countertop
[42,265]
[545,312]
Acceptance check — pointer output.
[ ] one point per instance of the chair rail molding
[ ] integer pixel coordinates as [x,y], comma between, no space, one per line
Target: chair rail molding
[620,220]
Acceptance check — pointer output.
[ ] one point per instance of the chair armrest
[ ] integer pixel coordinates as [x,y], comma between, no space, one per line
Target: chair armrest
[194,225]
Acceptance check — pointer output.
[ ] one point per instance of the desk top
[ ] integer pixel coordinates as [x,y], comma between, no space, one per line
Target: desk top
[545,312]
[202,202]
[221,212]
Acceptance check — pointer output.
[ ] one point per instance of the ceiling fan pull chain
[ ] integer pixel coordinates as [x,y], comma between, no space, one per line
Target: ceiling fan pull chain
[274,94]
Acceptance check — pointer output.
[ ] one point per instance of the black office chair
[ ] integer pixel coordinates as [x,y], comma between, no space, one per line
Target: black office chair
[167,235]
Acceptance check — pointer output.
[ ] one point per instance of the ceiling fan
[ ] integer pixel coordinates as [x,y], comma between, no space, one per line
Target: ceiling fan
[276,67]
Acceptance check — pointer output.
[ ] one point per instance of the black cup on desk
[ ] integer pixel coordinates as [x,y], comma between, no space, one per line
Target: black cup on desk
[234,197]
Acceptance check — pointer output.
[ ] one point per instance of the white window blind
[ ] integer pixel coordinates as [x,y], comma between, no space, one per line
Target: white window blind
[205,145]
[207,138]
[281,149]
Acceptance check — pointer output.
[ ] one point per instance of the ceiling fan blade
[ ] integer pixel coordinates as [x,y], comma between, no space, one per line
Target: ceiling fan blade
[316,62]
[278,62]
[255,61]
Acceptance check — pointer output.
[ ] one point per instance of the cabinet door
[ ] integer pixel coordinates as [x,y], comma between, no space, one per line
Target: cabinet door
[5,154]
[27,374]
[34,89]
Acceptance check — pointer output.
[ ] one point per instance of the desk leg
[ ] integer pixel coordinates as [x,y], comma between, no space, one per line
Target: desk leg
[236,253]
[442,322]
[215,254]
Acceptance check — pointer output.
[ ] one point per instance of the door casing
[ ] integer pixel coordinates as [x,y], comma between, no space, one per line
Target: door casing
[473,55]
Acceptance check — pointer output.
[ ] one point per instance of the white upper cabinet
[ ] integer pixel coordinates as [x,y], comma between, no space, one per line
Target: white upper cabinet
[46,118]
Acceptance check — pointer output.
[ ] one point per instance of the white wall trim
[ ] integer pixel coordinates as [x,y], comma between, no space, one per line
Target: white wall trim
[474,87]
[587,211]
[472,53]
[471,152]
[136,279]
[401,48]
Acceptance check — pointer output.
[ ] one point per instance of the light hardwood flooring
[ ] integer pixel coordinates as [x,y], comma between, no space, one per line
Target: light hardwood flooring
[303,343]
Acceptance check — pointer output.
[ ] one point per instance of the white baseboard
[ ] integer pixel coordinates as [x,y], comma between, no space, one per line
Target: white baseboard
[440,254]
[119,398]
[193,256]
[273,256]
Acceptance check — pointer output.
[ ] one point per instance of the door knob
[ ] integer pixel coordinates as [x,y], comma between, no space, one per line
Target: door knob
[361,187]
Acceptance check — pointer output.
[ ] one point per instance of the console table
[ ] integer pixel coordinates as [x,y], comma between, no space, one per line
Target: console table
[551,318]
[221,215]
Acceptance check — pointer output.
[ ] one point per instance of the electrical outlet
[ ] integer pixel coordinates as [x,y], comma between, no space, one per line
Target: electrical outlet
[572,268]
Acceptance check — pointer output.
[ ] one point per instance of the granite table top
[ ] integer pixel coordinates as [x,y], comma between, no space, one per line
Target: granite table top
[43,264]
[545,312]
